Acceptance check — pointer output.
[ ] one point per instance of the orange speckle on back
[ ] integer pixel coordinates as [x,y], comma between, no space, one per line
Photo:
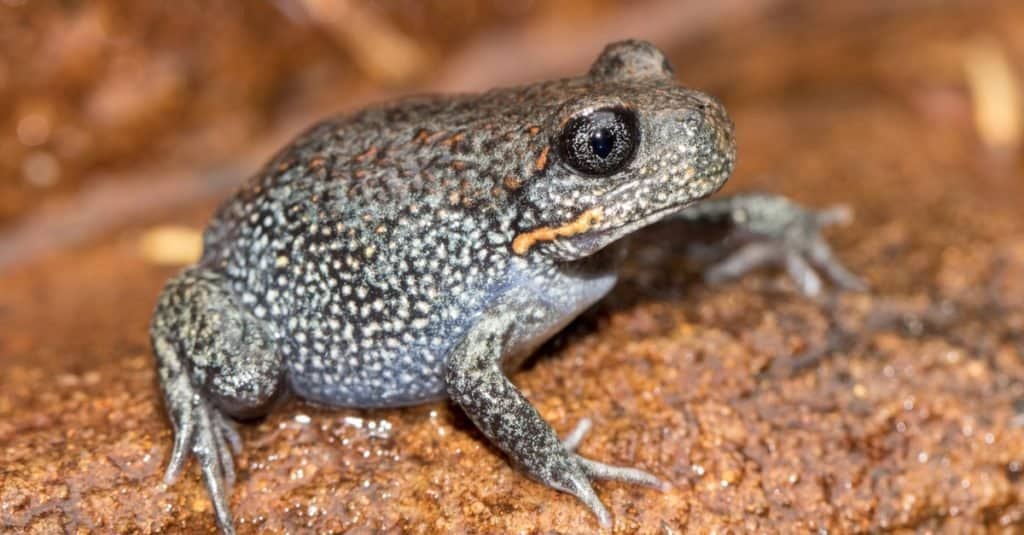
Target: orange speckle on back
[542,160]
[451,141]
[422,136]
[367,154]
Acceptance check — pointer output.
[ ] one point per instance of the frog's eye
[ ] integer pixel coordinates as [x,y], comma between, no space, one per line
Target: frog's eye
[600,142]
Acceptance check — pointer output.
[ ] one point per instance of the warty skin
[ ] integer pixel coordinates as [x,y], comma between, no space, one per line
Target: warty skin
[421,249]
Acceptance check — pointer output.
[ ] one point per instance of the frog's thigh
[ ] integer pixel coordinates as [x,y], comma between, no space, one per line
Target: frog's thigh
[225,352]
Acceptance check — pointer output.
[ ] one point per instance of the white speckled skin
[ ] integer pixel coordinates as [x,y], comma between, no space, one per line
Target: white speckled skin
[418,250]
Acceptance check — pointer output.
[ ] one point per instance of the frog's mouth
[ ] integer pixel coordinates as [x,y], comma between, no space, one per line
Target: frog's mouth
[597,238]
[585,232]
[581,225]
[597,227]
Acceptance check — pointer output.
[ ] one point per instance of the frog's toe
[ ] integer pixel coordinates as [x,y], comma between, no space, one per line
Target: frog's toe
[626,474]
[818,251]
[837,214]
[573,439]
[224,451]
[598,470]
[745,259]
[215,461]
[230,434]
[581,488]
[205,433]
[803,275]
[804,262]
[823,257]
[183,435]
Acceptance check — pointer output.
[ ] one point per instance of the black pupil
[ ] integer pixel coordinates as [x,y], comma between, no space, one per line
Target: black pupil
[602,142]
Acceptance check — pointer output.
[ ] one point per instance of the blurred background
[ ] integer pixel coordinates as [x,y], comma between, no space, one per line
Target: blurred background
[113,110]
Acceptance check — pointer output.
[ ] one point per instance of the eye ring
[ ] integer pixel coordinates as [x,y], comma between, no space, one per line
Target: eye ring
[600,142]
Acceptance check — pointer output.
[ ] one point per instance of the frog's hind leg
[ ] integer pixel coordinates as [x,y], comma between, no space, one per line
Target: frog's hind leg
[784,233]
[214,359]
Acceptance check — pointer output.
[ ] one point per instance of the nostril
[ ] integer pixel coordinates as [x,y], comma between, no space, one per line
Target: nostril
[692,119]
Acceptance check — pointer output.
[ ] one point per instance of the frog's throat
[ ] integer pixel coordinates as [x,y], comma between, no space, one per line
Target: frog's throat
[523,242]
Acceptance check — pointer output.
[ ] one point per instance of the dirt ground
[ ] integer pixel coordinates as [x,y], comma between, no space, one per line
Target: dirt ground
[901,408]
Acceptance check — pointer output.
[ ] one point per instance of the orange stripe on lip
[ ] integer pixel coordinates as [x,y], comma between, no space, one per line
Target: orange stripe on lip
[523,242]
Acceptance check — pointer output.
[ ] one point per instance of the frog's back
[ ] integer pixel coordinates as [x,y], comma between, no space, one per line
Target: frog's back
[374,240]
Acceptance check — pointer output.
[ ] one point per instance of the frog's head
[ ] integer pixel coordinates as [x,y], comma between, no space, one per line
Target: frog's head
[628,147]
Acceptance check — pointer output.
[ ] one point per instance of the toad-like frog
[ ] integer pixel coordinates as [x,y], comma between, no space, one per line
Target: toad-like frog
[421,249]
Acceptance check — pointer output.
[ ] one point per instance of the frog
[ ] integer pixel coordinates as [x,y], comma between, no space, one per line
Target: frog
[422,249]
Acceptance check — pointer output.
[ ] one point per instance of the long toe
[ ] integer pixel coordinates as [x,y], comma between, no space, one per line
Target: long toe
[582,489]
[573,439]
[227,461]
[745,259]
[183,437]
[823,257]
[803,275]
[227,428]
[844,278]
[210,451]
[839,214]
[598,470]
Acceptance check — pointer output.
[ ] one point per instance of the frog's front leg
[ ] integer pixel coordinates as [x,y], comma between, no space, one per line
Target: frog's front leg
[775,231]
[475,381]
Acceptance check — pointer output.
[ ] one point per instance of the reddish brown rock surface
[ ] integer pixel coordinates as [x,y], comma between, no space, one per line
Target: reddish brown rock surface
[899,408]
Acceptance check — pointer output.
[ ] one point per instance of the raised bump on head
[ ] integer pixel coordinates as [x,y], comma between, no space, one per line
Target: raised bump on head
[632,59]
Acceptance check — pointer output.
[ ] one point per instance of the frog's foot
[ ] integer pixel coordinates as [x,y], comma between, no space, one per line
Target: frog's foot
[790,236]
[207,434]
[577,479]
[596,470]
[578,472]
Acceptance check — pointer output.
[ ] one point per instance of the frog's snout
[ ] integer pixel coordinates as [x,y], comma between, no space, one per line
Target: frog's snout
[702,153]
[714,125]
